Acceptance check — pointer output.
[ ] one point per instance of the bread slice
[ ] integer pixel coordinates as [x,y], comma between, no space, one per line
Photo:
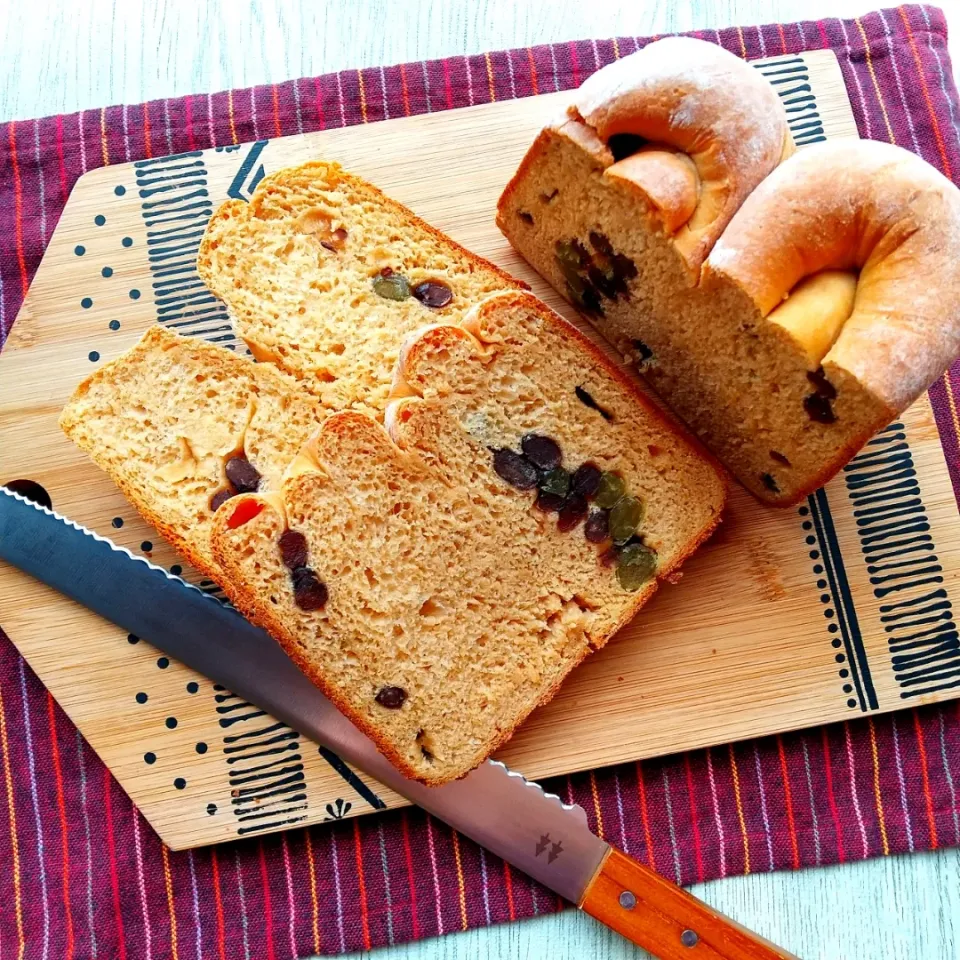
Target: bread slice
[166,419]
[300,266]
[786,310]
[432,579]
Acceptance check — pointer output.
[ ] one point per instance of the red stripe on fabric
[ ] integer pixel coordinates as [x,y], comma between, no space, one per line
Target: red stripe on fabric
[147,146]
[823,34]
[361,880]
[411,882]
[831,798]
[572,47]
[276,111]
[218,900]
[783,38]
[691,793]
[448,88]
[64,190]
[508,886]
[406,92]
[18,209]
[926,96]
[533,72]
[642,790]
[788,804]
[925,774]
[318,99]
[112,852]
[267,903]
[62,809]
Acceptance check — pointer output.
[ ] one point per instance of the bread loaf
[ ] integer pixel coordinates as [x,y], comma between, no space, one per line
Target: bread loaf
[324,275]
[175,421]
[786,311]
[438,576]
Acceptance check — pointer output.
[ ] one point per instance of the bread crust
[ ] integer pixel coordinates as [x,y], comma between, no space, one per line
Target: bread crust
[708,104]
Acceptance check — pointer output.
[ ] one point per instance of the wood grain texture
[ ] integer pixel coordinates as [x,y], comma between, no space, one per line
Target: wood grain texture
[104,52]
[654,913]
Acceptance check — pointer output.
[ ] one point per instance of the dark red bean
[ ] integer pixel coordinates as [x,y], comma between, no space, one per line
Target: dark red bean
[597,528]
[586,479]
[242,474]
[543,451]
[433,294]
[609,557]
[572,513]
[549,502]
[516,469]
[392,698]
[818,408]
[821,384]
[221,496]
[309,593]
[293,549]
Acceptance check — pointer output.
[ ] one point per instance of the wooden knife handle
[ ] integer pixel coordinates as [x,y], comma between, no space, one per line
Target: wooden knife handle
[665,920]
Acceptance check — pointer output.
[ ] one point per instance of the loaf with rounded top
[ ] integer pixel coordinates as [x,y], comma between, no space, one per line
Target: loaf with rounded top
[164,419]
[297,265]
[892,223]
[453,605]
[713,128]
[824,306]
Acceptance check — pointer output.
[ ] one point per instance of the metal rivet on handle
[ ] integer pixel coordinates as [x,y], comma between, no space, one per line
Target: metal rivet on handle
[627,900]
[689,938]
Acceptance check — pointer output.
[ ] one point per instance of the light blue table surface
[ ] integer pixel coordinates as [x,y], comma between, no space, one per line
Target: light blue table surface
[59,57]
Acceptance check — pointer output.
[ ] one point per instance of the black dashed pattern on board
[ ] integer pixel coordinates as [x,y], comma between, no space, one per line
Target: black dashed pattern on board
[265,762]
[790,78]
[175,204]
[905,573]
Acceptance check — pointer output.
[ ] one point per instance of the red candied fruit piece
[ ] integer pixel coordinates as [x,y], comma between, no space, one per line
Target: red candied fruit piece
[246,510]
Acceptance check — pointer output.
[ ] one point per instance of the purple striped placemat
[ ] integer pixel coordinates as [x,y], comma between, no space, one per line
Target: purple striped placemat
[83,875]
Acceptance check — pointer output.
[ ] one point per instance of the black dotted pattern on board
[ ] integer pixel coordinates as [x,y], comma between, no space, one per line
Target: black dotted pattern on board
[839,611]
[828,613]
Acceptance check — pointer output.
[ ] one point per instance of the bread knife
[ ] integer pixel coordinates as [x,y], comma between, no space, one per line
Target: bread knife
[498,808]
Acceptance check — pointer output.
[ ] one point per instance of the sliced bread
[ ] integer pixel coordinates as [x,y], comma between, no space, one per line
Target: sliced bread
[438,576]
[324,275]
[181,425]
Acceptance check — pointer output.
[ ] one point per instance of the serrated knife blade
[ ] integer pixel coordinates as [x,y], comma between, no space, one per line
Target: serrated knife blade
[498,808]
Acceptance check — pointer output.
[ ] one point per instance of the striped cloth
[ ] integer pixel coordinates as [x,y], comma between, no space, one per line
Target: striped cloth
[81,872]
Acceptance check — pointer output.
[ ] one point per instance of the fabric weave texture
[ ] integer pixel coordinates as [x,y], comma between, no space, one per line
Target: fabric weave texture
[81,872]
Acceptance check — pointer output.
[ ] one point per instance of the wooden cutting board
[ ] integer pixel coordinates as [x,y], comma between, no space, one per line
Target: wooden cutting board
[785,619]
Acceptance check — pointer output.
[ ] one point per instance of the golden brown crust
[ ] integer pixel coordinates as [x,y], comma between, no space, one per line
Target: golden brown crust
[737,352]
[867,206]
[707,103]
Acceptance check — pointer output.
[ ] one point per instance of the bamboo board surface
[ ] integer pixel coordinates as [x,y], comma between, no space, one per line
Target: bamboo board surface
[782,621]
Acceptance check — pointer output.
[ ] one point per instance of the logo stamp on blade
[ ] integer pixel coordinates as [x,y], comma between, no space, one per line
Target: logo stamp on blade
[555,848]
